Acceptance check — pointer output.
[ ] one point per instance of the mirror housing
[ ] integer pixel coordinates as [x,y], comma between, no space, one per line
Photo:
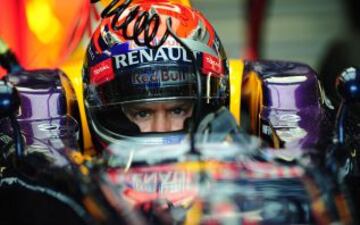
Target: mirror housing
[348,85]
[9,99]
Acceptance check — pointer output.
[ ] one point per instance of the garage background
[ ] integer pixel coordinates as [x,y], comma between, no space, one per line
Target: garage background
[300,30]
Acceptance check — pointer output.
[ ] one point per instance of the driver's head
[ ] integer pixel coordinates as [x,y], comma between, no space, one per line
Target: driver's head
[132,89]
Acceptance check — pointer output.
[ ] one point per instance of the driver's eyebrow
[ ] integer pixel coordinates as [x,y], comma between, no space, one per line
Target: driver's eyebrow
[132,108]
[150,105]
[179,105]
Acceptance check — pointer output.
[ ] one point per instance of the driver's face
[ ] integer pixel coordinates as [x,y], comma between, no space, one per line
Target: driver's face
[159,116]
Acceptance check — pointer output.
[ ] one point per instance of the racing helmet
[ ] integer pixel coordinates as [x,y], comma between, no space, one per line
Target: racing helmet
[134,58]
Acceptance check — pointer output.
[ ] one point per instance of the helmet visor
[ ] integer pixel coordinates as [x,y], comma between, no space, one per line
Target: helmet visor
[144,84]
[143,117]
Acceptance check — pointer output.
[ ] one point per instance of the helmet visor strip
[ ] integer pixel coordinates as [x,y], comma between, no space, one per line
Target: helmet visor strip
[151,83]
[144,84]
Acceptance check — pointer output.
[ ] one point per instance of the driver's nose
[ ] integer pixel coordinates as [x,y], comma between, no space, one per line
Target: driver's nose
[161,123]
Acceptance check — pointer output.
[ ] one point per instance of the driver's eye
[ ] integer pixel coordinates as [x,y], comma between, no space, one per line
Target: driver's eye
[141,114]
[177,111]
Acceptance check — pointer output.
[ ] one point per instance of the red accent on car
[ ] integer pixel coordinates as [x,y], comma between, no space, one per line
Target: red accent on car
[102,72]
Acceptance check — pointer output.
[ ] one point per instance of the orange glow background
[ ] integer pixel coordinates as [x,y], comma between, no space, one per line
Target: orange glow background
[46,33]
[50,33]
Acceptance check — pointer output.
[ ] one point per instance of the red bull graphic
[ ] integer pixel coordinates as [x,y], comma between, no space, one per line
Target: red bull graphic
[164,77]
[151,183]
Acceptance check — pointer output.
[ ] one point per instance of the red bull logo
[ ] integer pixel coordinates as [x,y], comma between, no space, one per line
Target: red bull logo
[165,76]
[147,184]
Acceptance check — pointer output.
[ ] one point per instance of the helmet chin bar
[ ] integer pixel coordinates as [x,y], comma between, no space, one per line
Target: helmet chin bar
[108,136]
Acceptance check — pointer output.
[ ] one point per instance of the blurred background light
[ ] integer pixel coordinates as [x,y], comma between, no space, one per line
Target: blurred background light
[43,21]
